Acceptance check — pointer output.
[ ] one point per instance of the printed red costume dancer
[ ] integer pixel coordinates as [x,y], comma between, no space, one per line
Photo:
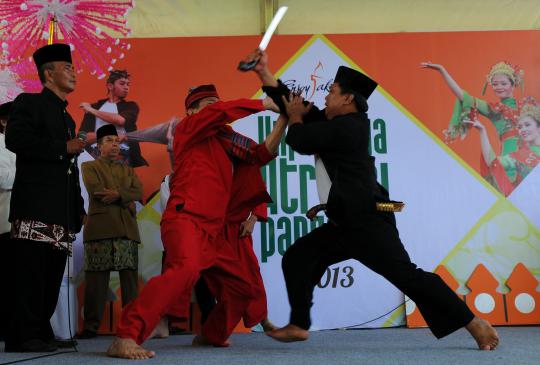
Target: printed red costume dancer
[192,224]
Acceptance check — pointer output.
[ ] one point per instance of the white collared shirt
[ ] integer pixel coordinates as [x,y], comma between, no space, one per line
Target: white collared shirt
[322,179]
[110,108]
[7,176]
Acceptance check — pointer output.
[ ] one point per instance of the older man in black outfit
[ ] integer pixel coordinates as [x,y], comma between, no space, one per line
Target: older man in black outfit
[46,203]
[357,227]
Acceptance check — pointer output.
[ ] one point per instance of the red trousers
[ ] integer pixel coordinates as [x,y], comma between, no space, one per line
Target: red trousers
[189,252]
[257,309]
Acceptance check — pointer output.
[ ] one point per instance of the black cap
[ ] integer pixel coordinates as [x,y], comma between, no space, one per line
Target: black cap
[355,80]
[51,53]
[106,130]
[5,109]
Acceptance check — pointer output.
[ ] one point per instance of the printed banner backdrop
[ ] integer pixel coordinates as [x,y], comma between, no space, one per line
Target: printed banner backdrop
[439,177]
[453,217]
[449,204]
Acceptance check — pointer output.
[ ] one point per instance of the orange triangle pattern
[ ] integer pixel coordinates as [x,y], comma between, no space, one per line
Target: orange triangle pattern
[521,306]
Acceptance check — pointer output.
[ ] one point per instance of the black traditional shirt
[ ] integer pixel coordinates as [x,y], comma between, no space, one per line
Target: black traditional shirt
[46,202]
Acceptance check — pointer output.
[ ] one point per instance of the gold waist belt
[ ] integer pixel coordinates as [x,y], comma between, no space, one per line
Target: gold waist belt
[393,207]
[388,207]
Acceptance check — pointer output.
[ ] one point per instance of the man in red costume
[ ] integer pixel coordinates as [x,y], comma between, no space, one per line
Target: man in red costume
[246,206]
[243,211]
[206,153]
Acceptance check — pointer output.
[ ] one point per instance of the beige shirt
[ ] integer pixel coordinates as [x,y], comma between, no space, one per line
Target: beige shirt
[118,219]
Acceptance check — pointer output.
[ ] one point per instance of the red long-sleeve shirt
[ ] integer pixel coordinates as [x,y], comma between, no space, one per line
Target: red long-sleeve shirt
[203,174]
[248,192]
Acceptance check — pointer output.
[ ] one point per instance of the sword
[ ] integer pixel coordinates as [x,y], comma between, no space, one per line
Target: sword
[249,65]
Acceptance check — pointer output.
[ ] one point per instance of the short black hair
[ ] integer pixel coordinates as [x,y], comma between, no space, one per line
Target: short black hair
[41,72]
[359,100]
[115,75]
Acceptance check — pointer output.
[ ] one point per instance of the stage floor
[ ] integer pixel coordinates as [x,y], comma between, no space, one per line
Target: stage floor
[519,345]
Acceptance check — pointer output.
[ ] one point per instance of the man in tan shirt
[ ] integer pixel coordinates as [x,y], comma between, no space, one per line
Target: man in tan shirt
[111,234]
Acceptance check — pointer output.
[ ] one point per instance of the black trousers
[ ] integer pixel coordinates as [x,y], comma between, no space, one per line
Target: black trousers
[375,243]
[95,294]
[37,274]
[6,276]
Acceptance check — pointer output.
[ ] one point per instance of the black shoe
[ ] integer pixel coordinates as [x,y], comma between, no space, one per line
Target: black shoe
[86,334]
[65,344]
[35,345]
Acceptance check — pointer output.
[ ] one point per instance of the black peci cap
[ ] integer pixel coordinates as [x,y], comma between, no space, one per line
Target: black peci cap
[51,53]
[355,80]
[106,130]
[5,109]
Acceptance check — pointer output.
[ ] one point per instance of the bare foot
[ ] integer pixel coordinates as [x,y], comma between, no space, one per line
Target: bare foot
[485,335]
[268,326]
[161,330]
[202,340]
[289,333]
[127,348]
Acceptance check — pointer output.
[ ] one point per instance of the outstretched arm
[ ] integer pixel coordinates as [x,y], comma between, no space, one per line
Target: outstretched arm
[261,69]
[452,84]
[263,153]
[275,89]
[112,118]
[274,138]
[487,150]
[195,128]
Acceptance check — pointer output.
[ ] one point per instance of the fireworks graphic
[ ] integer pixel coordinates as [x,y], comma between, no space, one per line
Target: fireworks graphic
[86,25]
[17,78]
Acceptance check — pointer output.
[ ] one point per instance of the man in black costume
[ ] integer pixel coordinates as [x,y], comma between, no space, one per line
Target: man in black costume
[46,204]
[359,223]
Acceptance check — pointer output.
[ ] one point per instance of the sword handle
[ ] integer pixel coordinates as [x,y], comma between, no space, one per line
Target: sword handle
[247,66]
